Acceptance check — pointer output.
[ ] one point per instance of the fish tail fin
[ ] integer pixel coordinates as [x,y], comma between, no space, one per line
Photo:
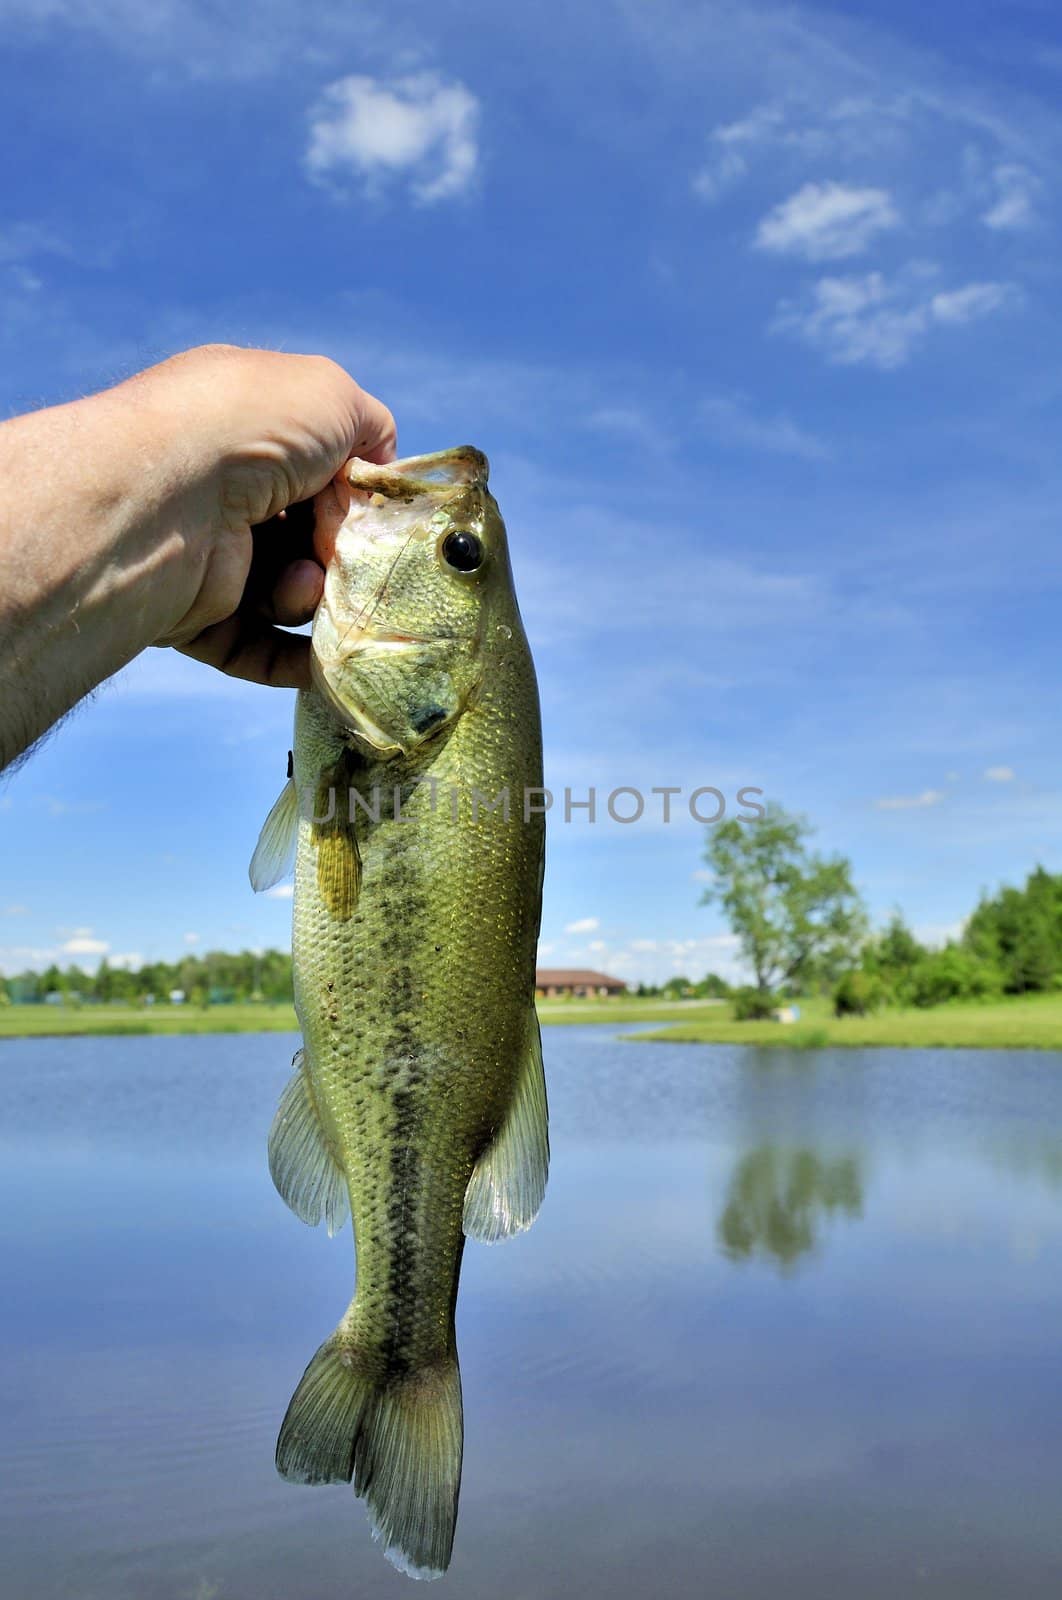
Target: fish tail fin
[400,1438]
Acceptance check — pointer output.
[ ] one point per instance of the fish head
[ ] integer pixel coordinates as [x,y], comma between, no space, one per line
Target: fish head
[416,562]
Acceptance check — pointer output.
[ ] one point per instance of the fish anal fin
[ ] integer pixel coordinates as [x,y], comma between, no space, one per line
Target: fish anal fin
[307,1175]
[509,1181]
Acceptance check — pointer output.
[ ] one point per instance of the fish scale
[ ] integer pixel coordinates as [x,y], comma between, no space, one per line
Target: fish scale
[418,1102]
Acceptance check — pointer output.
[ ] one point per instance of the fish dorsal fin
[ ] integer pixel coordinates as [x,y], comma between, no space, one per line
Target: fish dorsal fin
[307,1174]
[274,854]
[336,844]
[509,1181]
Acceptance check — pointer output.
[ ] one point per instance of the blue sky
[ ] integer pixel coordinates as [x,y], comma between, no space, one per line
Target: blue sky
[754,309]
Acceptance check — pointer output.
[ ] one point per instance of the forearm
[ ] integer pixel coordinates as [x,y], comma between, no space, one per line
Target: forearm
[98,546]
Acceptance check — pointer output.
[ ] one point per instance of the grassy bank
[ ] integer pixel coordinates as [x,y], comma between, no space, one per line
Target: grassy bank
[19,1022]
[30,1022]
[1030,1023]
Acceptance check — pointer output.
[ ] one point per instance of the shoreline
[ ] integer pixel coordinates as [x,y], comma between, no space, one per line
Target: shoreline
[111,1021]
[1020,1023]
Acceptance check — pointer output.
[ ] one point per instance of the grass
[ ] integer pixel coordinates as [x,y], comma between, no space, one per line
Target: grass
[1032,1022]
[42,1021]
[1028,1022]
[21,1022]
[620,1011]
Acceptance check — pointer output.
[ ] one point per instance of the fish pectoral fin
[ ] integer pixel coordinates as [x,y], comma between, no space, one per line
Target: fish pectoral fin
[307,1175]
[509,1180]
[274,854]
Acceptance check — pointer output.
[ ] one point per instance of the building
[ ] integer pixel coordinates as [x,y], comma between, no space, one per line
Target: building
[551,983]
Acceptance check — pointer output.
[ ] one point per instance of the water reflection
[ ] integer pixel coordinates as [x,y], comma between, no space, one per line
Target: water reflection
[778,1200]
[642,1417]
[1037,1157]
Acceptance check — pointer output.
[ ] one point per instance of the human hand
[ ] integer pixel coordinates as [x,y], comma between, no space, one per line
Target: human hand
[262,433]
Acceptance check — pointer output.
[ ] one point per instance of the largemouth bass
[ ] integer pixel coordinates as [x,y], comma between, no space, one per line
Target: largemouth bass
[418,1102]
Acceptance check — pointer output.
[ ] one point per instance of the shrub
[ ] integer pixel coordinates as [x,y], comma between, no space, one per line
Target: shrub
[952,974]
[857,994]
[753,1005]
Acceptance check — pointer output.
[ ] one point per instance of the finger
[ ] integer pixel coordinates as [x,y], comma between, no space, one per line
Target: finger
[376,436]
[246,647]
[296,593]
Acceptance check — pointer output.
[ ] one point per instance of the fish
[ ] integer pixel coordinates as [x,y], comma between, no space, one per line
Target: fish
[417,1108]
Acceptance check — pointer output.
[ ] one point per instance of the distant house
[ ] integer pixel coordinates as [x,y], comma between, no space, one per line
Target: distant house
[553,982]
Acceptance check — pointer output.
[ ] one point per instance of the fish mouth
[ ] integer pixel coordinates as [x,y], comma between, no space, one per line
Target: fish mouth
[435,475]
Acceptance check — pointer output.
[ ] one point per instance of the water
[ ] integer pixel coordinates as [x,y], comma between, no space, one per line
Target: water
[788,1324]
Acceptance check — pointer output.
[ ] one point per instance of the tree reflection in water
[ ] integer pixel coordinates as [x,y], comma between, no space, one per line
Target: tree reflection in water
[778,1199]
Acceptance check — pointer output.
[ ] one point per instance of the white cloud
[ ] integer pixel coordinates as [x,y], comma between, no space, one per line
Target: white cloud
[826,222]
[975,300]
[21,241]
[855,320]
[191,938]
[656,960]
[730,421]
[854,128]
[207,41]
[597,946]
[872,321]
[910,802]
[280,891]
[15,957]
[16,911]
[57,807]
[419,128]
[729,157]
[583,925]
[84,944]
[726,168]
[1016,190]
[129,960]
[999,774]
[627,420]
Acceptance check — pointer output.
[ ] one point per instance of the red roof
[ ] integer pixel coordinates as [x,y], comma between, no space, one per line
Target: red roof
[575,977]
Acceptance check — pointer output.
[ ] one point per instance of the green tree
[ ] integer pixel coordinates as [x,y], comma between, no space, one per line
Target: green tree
[1019,931]
[797,915]
[677,988]
[897,949]
[952,973]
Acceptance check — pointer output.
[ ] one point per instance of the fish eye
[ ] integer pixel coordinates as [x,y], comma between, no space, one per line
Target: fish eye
[462,551]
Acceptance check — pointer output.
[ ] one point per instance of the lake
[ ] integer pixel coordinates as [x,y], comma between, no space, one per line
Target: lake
[790,1323]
